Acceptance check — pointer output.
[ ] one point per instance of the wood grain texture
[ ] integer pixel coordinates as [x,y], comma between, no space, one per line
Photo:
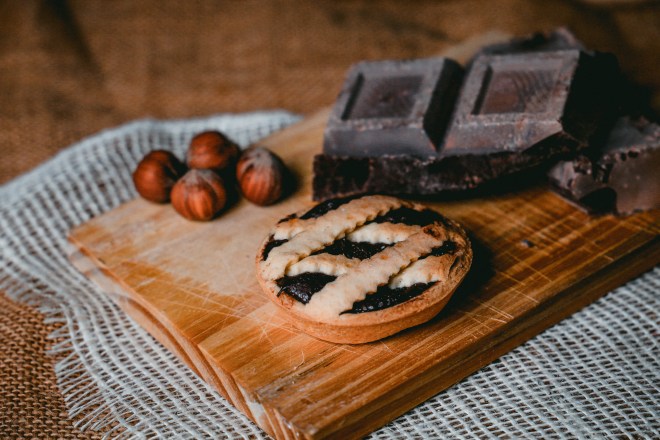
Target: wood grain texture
[193,286]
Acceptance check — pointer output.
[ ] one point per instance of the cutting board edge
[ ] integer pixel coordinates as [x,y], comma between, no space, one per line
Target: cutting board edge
[194,357]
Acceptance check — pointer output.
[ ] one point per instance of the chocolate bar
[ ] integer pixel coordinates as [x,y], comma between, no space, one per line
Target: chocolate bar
[622,179]
[514,112]
[393,107]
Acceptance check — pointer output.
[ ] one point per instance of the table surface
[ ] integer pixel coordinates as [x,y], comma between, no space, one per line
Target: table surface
[187,61]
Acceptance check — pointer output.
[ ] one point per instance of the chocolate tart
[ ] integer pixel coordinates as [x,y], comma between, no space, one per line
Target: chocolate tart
[358,270]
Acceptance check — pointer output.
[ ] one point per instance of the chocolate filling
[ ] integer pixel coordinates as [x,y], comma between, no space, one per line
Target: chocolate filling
[287,218]
[364,250]
[325,207]
[272,244]
[302,287]
[386,297]
[447,247]
[361,250]
[410,217]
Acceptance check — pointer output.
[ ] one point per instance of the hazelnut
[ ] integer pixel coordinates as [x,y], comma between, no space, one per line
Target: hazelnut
[212,150]
[262,176]
[156,174]
[199,195]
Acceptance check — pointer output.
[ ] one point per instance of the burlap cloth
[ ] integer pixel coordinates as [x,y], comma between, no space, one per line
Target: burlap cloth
[71,68]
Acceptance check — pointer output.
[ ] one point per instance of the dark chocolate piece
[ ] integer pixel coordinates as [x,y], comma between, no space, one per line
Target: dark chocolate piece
[514,112]
[622,179]
[511,103]
[635,99]
[393,107]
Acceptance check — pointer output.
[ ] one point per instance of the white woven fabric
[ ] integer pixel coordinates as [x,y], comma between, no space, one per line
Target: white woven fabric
[596,374]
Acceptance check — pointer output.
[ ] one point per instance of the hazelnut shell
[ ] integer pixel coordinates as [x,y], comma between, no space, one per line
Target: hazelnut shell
[262,176]
[156,174]
[199,195]
[212,150]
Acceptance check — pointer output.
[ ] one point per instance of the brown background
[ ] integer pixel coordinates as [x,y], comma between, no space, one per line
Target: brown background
[71,68]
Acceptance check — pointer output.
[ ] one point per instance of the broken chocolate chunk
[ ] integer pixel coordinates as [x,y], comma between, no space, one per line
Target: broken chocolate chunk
[393,107]
[622,178]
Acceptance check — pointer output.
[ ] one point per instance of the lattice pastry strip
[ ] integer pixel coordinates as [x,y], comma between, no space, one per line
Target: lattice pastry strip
[339,295]
[322,263]
[326,229]
[285,230]
[387,233]
[375,233]
[427,270]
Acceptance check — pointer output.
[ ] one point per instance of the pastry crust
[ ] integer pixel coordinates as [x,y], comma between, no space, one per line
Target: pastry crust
[398,265]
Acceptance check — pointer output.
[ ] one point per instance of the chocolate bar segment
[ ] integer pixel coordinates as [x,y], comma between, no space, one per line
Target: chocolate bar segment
[635,99]
[543,100]
[622,179]
[393,107]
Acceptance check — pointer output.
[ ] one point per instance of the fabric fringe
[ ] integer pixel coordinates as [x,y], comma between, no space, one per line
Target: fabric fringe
[115,378]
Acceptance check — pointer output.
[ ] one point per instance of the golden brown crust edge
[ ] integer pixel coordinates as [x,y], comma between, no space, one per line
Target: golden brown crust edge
[371,326]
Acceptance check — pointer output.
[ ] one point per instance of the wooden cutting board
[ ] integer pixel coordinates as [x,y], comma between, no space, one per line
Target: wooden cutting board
[193,287]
